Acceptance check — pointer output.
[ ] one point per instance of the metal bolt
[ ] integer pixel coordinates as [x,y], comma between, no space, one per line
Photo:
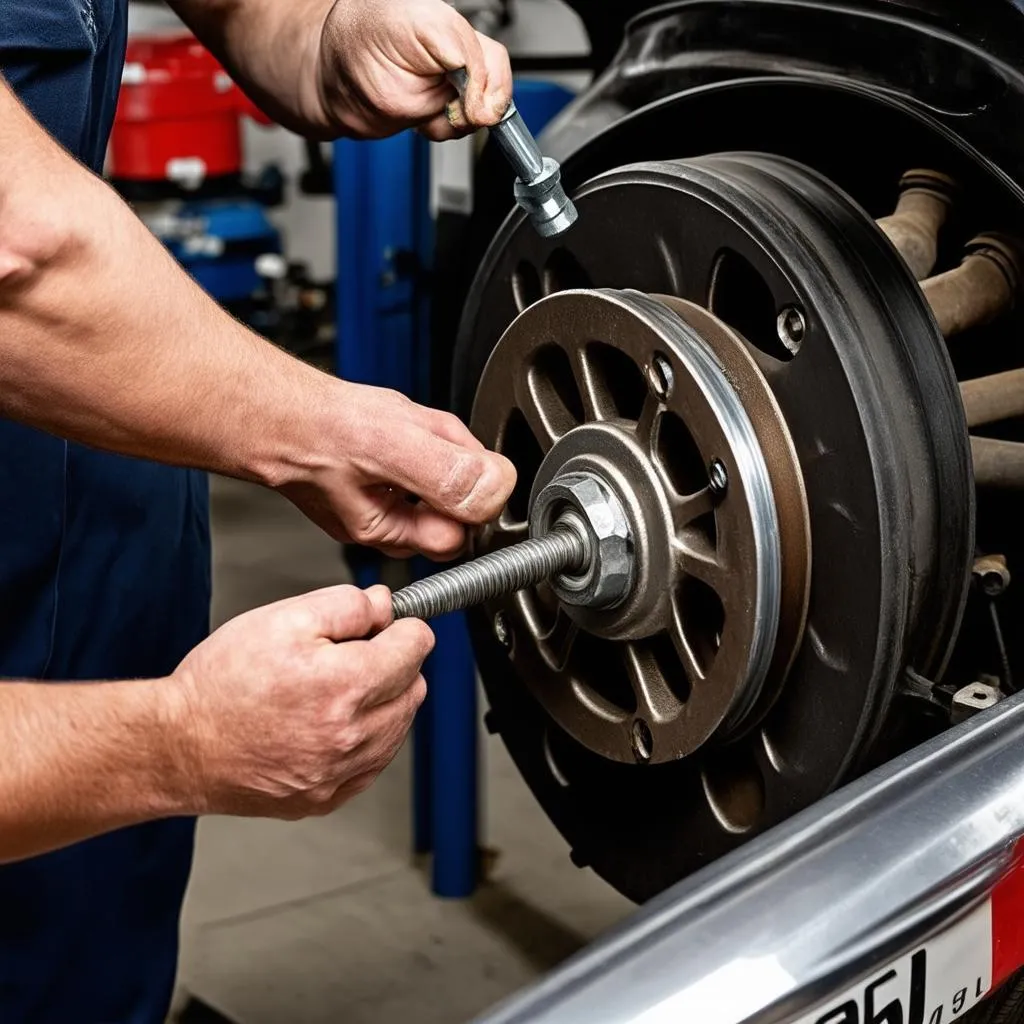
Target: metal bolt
[660,377]
[718,477]
[501,630]
[501,572]
[642,741]
[791,328]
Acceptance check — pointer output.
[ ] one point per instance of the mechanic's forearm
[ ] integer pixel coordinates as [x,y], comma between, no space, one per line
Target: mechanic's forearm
[271,49]
[105,340]
[84,758]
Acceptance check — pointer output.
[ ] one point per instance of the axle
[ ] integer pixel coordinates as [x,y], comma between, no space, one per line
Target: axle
[565,549]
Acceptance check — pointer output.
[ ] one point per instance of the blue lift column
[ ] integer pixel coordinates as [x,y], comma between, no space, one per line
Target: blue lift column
[381,192]
[384,249]
[384,246]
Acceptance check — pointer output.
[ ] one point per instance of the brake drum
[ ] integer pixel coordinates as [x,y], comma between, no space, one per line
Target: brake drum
[735,348]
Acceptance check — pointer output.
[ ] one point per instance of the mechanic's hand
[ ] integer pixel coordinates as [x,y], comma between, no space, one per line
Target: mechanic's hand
[383,64]
[375,450]
[285,713]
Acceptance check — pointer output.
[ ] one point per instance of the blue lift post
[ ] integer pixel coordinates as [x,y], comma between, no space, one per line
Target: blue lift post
[382,191]
[375,186]
[384,248]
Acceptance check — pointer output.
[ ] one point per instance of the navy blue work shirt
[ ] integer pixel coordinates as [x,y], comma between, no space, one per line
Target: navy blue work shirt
[104,574]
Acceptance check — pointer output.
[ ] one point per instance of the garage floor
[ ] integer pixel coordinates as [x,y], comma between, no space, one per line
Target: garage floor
[329,919]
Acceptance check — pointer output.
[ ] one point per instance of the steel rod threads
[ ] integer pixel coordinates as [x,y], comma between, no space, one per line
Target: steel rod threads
[501,572]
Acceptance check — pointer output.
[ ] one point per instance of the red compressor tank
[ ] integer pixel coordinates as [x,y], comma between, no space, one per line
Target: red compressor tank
[178,116]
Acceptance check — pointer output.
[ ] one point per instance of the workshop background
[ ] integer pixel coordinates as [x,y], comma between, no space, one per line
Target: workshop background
[335,918]
[793,353]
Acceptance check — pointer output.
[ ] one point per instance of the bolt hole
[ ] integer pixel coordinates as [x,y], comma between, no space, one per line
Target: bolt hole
[643,741]
[562,270]
[740,296]
[660,377]
[621,380]
[526,287]
[518,444]
[679,456]
[980,695]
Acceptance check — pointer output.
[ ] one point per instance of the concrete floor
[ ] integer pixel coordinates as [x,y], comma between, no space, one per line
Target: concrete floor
[330,919]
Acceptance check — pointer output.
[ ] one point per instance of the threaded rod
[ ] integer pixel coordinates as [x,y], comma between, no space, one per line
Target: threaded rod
[501,572]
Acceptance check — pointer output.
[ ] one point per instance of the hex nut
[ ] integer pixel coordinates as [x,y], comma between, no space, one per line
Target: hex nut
[969,700]
[583,501]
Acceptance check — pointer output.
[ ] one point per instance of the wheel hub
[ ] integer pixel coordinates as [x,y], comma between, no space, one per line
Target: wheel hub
[663,429]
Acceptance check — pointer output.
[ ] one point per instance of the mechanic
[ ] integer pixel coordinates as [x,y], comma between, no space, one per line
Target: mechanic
[104,558]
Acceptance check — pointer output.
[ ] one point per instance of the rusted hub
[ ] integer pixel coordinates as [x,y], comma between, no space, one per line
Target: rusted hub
[631,391]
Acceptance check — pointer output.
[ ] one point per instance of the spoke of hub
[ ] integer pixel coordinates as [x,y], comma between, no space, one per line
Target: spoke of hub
[646,427]
[773,369]
[502,533]
[597,403]
[689,507]
[655,700]
[701,561]
[684,650]
[558,641]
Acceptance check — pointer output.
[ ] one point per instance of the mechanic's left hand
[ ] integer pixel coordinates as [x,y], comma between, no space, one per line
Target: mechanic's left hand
[369,449]
[382,67]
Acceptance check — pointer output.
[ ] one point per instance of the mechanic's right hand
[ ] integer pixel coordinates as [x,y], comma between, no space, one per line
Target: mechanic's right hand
[287,711]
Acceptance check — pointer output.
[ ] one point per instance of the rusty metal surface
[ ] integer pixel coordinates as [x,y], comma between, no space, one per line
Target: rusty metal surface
[984,286]
[913,228]
[998,464]
[999,396]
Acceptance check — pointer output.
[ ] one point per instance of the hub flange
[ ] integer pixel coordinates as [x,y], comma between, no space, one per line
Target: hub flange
[684,652]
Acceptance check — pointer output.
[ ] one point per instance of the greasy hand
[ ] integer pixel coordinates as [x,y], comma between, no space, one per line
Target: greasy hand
[382,67]
[376,449]
[283,713]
